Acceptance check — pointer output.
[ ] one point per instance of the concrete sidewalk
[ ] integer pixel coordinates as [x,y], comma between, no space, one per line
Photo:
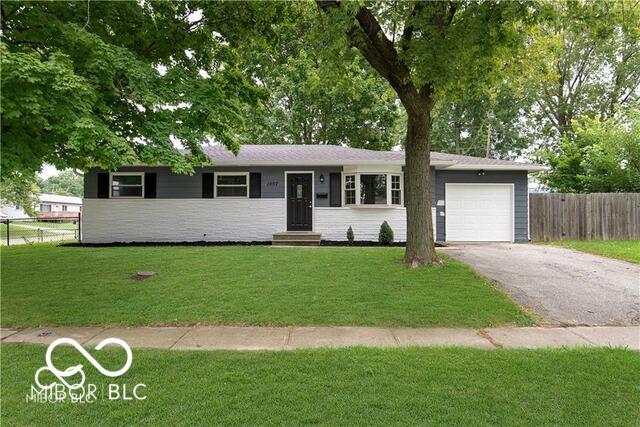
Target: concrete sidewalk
[290,338]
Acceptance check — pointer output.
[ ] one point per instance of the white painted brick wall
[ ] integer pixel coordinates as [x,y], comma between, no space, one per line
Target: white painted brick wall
[334,222]
[218,220]
[181,220]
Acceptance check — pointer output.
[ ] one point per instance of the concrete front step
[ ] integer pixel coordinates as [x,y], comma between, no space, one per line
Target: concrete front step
[295,243]
[296,238]
[297,235]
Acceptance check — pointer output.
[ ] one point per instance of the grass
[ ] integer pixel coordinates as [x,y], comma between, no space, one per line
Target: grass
[44,285]
[33,231]
[626,250]
[58,225]
[437,386]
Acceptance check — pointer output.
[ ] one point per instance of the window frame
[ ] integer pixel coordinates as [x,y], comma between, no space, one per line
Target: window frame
[390,189]
[140,174]
[65,208]
[355,189]
[215,184]
[389,192]
[45,204]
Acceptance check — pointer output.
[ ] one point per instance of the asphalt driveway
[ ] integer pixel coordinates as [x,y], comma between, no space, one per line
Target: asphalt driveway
[562,286]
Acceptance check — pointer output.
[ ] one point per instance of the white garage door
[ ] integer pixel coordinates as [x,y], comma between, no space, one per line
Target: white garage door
[479,212]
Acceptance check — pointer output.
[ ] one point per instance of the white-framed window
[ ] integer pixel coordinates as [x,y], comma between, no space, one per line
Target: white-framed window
[45,207]
[127,185]
[232,184]
[349,189]
[64,208]
[396,190]
[375,189]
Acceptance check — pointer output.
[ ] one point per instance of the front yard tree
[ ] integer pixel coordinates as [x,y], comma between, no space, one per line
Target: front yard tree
[429,51]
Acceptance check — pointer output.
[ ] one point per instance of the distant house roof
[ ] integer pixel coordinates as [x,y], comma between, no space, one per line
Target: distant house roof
[329,155]
[56,198]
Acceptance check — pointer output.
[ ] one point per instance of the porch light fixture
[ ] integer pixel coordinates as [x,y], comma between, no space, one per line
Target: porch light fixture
[481,172]
[321,178]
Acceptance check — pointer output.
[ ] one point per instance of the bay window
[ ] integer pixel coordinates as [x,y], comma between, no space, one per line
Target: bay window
[232,184]
[375,189]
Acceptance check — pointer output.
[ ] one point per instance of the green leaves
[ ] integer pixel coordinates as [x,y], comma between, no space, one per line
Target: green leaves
[320,92]
[599,156]
[129,86]
[41,102]
[66,183]
[581,61]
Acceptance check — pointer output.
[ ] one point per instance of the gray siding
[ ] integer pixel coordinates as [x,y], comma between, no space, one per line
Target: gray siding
[521,196]
[176,186]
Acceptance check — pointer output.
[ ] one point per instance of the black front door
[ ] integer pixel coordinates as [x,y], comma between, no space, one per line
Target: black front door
[299,202]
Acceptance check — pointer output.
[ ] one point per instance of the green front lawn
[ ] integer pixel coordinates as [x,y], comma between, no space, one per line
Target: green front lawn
[437,386]
[45,284]
[626,250]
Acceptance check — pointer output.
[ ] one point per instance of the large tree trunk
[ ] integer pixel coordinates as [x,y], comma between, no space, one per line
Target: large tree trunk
[367,35]
[420,248]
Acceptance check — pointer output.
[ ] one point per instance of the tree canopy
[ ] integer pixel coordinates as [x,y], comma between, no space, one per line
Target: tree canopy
[313,100]
[583,60]
[599,156]
[65,183]
[108,83]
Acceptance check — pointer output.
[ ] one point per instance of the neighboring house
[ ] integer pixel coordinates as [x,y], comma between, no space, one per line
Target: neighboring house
[11,212]
[269,189]
[56,206]
[49,206]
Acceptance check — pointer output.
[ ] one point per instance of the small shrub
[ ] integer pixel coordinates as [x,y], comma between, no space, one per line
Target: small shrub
[386,234]
[350,235]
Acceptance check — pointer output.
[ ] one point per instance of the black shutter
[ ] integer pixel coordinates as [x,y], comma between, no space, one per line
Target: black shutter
[150,185]
[103,185]
[255,185]
[335,190]
[207,186]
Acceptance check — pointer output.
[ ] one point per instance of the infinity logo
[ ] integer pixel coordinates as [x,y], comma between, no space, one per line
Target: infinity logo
[77,369]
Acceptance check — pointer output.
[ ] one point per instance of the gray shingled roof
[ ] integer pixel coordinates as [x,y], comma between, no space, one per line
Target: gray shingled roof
[328,155]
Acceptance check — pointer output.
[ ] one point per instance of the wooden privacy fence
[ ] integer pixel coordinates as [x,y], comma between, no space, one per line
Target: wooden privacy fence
[597,216]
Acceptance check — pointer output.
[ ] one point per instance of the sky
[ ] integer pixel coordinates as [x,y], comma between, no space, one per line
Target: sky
[47,171]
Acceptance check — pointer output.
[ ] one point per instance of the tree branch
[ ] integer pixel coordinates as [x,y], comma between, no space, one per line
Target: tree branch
[407,33]
[379,51]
